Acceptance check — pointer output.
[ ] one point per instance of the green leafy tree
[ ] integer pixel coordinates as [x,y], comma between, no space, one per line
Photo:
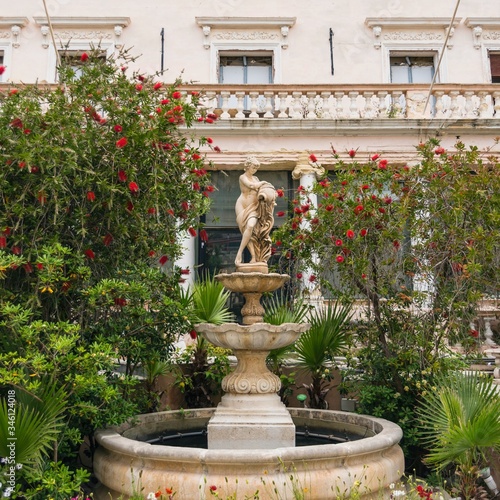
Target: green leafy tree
[416,247]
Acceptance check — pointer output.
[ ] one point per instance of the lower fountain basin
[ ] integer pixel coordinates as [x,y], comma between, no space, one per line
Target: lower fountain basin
[125,464]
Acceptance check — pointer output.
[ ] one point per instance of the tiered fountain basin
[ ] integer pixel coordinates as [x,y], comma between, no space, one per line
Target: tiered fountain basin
[125,463]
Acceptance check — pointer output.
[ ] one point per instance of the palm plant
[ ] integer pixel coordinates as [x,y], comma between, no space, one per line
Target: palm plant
[316,348]
[38,423]
[459,424]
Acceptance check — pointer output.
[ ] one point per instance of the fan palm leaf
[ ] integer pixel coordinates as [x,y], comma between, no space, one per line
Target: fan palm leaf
[209,302]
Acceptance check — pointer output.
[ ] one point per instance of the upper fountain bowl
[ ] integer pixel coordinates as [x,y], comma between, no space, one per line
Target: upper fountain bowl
[252,282]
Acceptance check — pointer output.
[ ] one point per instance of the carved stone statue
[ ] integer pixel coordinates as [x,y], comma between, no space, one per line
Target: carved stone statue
[254,215]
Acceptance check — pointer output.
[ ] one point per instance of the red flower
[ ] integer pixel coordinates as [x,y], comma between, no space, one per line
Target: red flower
[22,164]
[121,143]
[120,301]
[210,189]
[213,488]
[313,158]
[163,260]
[138,87]
[203,235]
[339,259]
[329,208]
[338,242]
[134,188]
[363,232]
[176,95]
[27,131]
[169,491]
[28,267]
[89,253]
[84,57]
[192,231]
[118,128]
[382,164]
[365,187]
[91,196]
[344,183]
[158,494]
[387,200]
[2,70]
[358,209]
[381,210]
[363,276]
[16,123]
[3,242]
[350,234]
[151,210]
[312,278]
[299,276]
[352,153]
[130,206]
[157,85]
[474,333]
[217,149]
[107,240]
[185,271]
[280,214]
[122,176]
[300,189]
[16,250]
[439,151]
[193,334]
[396,244]
[209,140]
[375,157]
[39,266]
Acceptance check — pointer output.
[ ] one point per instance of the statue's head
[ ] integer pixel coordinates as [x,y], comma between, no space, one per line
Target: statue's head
[252,162]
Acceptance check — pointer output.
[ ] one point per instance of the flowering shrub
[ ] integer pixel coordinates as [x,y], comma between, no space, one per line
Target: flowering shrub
[99,183]
[416,246]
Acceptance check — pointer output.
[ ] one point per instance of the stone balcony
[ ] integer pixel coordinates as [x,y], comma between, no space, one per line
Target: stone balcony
[340,102]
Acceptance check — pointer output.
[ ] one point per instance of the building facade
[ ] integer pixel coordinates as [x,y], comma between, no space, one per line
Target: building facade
[287,78]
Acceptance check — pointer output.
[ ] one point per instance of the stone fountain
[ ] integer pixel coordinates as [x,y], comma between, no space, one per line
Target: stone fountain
[251,434]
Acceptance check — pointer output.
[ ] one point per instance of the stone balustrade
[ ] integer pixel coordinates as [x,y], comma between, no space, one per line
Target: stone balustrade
[350,102]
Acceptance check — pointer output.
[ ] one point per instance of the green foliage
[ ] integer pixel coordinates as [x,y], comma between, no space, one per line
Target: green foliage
[417,248]
[209,302]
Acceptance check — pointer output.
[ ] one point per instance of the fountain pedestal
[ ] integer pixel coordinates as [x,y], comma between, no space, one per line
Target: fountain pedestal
[251,414]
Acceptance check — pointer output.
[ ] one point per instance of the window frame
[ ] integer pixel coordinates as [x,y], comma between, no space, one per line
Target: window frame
[6,51]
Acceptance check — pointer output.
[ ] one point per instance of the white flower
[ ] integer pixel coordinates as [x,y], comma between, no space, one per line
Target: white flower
[151,496]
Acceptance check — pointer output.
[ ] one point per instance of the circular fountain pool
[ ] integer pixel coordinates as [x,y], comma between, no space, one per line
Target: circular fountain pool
[125,463]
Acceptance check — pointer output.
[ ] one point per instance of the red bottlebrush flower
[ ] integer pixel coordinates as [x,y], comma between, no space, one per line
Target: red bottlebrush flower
[363,232]
[196,186]
[210,140]
[364,187]
[163,260]
[203,235]
[473,333]
[138,87]
[34,169]
[185,206]
[90,254]
[382,164]
[300,189]
[195,156]
[213,488]
[158,494]
[118,128]
[7,231]
[315,220]
[305,208]
[193,334]
[329,208]
[298,276]
[176,95]
[2,69]
[16,250]
[41,197]
[185,271]
[387,200]
[363,276]
[169,491]
[381,210]
[133,187]
[350,234]
[439,151]
[27,131]
[217,149]
[16,123]
[352,153]
[170,212]
[91,196]
[130,206]
[280,214]
[123,69]
[280,193]
[339,259]
[344,183]
[122,176]
[107,240]
[313,158]
[151,210]
[375,157]
[28,267]
[39,266]
[141,78]
[157,86]
[84,57]
[396,244]
[278,243]
[338,242]
[294,226]
[165,101]
[192,231]
[210,189]
[297,210]
[13,92]
[312,278]
[358,209]
[3,242]
[151,253]
[22,164]
[120,301]
[121,143]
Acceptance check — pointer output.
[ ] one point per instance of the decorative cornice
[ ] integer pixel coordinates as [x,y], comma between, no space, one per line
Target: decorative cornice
[246,22]
[484,22]
[8,22]
[411,22]
[83,22]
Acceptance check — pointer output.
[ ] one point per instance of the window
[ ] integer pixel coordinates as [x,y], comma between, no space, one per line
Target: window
[247,69]
[1,64]
[495,66]
[412,69]
[72,58]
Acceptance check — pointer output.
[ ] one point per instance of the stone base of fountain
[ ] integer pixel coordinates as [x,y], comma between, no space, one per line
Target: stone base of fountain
[125,463]
[251,421]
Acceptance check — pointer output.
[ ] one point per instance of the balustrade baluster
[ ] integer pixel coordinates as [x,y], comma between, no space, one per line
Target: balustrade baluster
[325,105]
[269,104]
[369,111]
[484,108]
[496,103]
[297,105]
[454,105]
[469,104]
[283,104]
[240,97]
[353,105]
[439,105]
[210,102]
[382,103]
[339,105]
[225,105]
[396,110]
[311,106]
[253,104]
